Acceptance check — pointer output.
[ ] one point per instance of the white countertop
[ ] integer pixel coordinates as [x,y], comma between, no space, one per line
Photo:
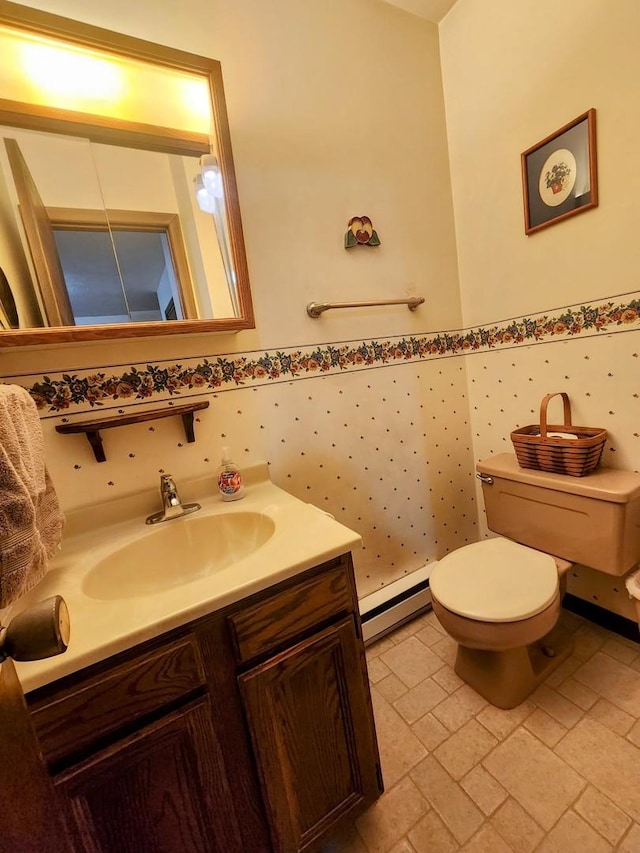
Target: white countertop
[304,536]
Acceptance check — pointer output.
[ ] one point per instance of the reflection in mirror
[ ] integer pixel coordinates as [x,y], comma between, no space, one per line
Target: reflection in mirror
[106,227]
[130,241]
[124,275]
[8,310]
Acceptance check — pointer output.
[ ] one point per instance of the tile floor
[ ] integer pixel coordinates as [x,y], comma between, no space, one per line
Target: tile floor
[558,774]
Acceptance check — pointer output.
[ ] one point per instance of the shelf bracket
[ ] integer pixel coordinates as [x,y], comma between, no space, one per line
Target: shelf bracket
[95,440]
[187,423]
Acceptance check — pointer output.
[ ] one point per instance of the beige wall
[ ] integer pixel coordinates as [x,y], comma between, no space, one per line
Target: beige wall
[321,132]
[336,110]
[513,74]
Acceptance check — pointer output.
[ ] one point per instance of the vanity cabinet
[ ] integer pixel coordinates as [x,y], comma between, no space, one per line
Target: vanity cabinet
[247,730]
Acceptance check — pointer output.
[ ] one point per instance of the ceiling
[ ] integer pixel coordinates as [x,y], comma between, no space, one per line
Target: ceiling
[432,10]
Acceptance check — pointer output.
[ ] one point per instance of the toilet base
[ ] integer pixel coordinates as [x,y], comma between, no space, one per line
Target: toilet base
[505,678]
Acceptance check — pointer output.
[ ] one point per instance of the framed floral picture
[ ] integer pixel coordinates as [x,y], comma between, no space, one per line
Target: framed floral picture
[559,174]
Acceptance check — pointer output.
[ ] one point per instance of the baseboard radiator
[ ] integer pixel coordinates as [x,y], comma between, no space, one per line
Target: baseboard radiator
[393,605]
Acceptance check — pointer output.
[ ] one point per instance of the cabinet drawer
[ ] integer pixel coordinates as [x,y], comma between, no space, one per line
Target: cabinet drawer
[100,704]
[282,617]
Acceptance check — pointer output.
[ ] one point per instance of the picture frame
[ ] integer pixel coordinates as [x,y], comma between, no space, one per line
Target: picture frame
[559,174]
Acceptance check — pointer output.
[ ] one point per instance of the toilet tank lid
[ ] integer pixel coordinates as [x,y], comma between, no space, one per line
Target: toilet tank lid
[605,484]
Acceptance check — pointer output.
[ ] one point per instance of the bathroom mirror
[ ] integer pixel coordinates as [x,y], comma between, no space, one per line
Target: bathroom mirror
[106,142]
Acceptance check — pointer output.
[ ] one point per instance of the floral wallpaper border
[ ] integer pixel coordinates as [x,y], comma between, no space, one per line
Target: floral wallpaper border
[94,388]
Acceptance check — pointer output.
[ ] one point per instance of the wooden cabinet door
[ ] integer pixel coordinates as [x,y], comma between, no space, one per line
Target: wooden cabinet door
[153,791]
[309,713]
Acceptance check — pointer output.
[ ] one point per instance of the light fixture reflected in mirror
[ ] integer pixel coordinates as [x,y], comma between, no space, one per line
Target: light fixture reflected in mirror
[210,198]
[206,201]
[211,175]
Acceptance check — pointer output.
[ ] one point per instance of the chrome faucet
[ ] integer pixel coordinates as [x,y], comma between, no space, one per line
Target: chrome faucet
[172,506]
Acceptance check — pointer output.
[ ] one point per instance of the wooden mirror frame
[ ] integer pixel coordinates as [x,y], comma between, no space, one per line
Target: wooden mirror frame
[135,136]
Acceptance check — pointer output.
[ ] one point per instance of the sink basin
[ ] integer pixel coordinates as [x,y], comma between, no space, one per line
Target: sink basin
[178,552]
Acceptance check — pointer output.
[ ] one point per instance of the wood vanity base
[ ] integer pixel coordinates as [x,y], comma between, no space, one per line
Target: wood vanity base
[248,730]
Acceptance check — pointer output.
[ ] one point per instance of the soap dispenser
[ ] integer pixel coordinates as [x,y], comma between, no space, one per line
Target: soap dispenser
[230,483]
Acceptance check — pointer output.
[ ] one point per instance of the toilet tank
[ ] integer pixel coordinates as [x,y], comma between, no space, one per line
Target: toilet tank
[593,520]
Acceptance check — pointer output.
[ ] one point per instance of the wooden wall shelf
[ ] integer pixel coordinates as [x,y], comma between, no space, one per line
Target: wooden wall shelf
[92,428]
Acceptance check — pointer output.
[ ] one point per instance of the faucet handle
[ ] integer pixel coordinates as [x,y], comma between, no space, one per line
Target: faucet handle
[167,483]
[172,506]
[168,491]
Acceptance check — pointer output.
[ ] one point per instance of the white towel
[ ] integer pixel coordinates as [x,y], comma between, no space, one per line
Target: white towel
[31,521]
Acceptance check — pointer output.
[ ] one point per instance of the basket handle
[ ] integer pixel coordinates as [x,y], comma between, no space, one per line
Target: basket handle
[543,411]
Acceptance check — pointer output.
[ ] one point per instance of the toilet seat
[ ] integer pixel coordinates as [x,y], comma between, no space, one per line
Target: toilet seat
[495,580]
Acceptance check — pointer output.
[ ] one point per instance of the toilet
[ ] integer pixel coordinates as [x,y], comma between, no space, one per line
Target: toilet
[500,598]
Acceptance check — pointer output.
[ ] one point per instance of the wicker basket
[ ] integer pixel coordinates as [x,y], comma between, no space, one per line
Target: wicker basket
[536,448]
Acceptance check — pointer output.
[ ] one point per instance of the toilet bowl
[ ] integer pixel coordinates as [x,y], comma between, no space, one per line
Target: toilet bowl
[500,601]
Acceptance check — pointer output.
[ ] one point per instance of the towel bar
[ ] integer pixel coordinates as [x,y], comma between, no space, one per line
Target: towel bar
[315,309]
